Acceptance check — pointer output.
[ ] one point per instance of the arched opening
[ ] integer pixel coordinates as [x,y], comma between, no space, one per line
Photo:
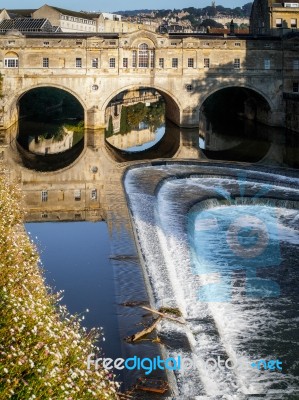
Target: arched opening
[145,56]
[51,128]
[233,125]
[11,60]
[136,121]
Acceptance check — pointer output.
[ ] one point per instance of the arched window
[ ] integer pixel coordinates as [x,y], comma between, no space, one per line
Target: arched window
[143,56]
[11,60]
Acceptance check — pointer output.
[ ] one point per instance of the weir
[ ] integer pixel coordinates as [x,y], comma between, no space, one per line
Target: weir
[190,238]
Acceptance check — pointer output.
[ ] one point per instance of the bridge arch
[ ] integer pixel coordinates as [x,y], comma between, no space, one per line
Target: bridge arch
[173,110]
[254,103]
[12,104]
[23,91]
[237,85]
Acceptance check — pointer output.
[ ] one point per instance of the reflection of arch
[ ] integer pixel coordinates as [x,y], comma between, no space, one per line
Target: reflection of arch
[173,107]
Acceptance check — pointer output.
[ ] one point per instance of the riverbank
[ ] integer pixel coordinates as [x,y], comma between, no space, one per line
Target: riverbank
[43,349]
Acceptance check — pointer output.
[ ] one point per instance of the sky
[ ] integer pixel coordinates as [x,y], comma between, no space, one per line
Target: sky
[118,5]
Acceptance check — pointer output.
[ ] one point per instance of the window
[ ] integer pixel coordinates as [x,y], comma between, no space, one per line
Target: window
[112,43]
[95,63]
[190,62]
[78,62]
[134,59]
[112,62]
[278,22]
[77,195]
[237,44]
[125,62]
[46,43]
[293,23]
[237,63]
[143,56]
[206,63]
[11,42]
[94,194]
[267,64]
[189,88]
[78,43]
[296,87]
[296,64]
[44,195]
[11,62]
[152,58]
[175,62]
[161,62]
[45,62]
[173,43]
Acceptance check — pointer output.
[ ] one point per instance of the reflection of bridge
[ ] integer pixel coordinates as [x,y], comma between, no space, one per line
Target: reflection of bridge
[79,191]
[132,138]
[185,70]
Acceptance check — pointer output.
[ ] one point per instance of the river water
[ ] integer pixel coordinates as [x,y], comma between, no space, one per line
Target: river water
[221,244]
[189,230]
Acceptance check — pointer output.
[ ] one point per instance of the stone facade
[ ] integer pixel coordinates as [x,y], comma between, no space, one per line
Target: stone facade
[4,15]
[185,70]
[275,18]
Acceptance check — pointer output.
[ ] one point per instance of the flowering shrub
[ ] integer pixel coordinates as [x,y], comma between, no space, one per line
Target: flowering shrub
[43,349]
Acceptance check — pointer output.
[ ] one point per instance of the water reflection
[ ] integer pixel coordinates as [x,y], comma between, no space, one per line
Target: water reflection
[135,120]
[50,137]
[248,141]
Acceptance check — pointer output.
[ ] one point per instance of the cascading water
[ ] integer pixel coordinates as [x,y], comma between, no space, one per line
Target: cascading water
[221,244]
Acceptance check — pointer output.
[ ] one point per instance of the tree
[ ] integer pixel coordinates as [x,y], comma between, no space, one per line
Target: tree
[211,23]
[109,131]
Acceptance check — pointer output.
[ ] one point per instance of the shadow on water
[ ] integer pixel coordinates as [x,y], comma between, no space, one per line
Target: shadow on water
[248,141]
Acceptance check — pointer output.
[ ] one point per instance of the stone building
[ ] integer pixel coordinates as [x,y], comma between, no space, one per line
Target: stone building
[4,15]
[185,70]
[275,18]
[74,21]
[67,20]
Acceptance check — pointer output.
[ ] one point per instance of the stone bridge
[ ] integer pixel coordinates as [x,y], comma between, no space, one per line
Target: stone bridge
[185,70]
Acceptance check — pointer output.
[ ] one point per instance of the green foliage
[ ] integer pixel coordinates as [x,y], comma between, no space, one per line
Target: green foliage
[109,130]
[132,116]
[124,127]
[43,349]
[211,23]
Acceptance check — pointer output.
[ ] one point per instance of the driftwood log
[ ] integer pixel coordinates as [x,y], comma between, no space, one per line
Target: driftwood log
[163,315]
[144,332]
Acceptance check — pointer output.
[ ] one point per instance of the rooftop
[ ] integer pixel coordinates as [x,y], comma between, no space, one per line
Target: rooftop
[78,14]
[26,25]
